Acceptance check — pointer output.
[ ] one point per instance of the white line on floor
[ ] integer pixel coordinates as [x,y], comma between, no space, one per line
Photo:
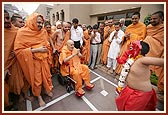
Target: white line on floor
[67,94]
[89,103]
[28,103]
[54,101]
[103,78]
[64,96]
[97,78]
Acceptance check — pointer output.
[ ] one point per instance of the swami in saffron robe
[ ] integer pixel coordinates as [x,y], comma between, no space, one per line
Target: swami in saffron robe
[35,66]
[138,32]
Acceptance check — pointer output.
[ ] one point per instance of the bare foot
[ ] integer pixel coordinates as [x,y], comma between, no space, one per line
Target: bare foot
[30,98]
[41,102]
[27,97]
[50,94]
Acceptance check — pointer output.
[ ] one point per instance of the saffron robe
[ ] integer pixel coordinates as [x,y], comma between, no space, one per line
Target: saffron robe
[34,65]
[106,44]
[15,80]
[138,32]
[75,69]
[50,57]
[86,48]
[155,39]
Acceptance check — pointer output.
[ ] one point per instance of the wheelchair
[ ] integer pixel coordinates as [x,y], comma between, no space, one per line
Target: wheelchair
[66,81]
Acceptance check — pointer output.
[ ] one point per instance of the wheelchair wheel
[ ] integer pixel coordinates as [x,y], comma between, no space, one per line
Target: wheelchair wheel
[69,88]
[61,79]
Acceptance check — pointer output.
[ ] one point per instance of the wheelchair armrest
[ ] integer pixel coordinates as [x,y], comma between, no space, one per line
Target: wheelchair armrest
[68,77]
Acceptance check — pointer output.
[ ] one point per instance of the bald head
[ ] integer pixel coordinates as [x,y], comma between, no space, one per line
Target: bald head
[70,42]
[53,27]
[70,45]
[65,27]
[64,23]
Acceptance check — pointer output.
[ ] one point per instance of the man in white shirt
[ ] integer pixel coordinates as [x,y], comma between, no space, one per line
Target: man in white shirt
[95,40]
[76,34]
[115,39]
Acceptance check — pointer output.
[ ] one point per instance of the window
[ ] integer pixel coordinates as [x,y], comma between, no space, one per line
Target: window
[119,16]
[101,18]
[62,15]
[116,16]
[53,18]
[57,16]
[129,14]
[109,17]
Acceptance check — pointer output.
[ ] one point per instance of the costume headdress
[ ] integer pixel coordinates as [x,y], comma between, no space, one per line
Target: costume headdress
[128,58]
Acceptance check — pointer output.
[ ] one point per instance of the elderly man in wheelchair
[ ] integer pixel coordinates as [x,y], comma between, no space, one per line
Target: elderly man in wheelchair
[70,64]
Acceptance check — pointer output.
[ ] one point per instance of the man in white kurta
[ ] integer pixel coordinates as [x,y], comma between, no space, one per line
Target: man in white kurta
[115,39]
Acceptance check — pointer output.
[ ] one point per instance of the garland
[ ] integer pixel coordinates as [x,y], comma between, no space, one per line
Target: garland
[124,73]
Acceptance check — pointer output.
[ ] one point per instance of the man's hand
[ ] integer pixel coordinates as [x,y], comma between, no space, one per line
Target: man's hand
[12,53]
[77,52]
[93,36]
[116,34]
[109,31]
[42,49]
[127,35]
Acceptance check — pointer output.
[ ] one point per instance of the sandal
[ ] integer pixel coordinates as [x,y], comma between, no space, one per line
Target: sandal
[80,94]
[89,87]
